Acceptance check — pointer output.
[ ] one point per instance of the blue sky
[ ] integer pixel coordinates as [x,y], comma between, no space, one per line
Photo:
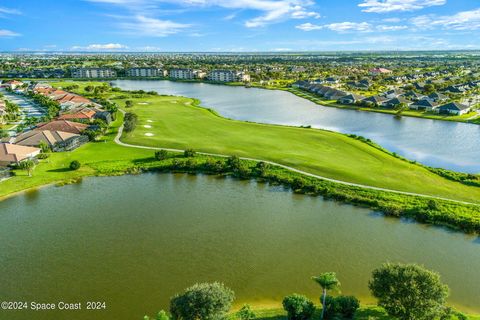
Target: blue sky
[238,25]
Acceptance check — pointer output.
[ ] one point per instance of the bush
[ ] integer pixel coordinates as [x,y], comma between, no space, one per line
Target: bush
[347,305]
[189,153]
[246,313]
[75,165]
[161,154]
[206,301]
[298,307]
[43,156]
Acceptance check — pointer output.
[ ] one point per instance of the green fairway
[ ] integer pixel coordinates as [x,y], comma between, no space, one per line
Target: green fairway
[174,122]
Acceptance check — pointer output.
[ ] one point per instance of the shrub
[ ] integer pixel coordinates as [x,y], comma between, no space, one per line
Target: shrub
[246,313]
[43,156]
[298,307]
[161,154]
[189,153]
[347,305]
[206,301]
[75,165]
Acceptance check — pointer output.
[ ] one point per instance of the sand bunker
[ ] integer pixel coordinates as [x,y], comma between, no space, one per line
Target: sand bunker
[147,126]
[143,103]
[149,121]
[148,134]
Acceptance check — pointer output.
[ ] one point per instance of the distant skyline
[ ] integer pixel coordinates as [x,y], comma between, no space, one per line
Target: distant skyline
[238,25]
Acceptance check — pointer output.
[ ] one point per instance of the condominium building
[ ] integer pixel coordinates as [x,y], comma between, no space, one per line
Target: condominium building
[185,74]
[227,76]
[146,72]
[93,73]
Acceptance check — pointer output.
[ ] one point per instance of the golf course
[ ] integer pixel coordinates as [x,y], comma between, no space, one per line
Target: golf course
[179,123]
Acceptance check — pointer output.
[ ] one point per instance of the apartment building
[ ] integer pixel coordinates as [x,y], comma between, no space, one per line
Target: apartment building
[227,76]
[146,72]
[185,74]
[93,73]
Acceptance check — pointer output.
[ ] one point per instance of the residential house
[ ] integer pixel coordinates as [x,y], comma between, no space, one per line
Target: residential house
[12,84]
[56,140]
[351,99]
[374,100]
[300,84]
[11,154]
[334,94]
[437,97]
[63,125]
[455,89]
[412,95]
[424,105]
[453,108]
[84,115]
[396,102]
[393,93]
[379,71]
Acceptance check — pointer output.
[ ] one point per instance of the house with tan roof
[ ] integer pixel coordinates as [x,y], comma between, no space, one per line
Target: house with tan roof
[85,115]
[63,125]
[13,154]
[12,84]
[56,140]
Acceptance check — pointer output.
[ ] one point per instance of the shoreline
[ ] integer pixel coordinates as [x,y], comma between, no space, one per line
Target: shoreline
[291,90]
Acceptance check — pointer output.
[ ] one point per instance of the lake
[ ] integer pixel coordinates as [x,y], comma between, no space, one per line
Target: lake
[445,144]
[134,241]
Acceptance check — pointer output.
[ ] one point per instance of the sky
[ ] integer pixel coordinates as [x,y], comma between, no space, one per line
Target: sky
[238,25]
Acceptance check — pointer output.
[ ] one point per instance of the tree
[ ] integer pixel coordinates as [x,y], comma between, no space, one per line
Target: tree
[75,165]
[44,147]
[27,165]
[161,154]
[408,291]
[204,301]
[328,281]
[128,104]
[130,121]
[246,313]
[298,307]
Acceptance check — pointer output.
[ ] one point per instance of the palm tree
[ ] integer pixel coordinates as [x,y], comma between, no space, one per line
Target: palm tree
[328,281]
[27,165]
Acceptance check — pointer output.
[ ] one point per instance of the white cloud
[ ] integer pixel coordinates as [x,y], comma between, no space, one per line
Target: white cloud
[344,27]
[8,33]
[390,28]
[151,27]
[98,47]
[309,26]
[465,20]
[271,11]
[382,6]
[4,10]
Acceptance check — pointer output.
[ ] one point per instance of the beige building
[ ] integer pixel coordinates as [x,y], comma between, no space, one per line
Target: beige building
[146,72]
[227,76]
[13,154]
[185,74]
[93,73]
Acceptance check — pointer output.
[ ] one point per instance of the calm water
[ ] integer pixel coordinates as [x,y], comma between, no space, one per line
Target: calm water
[444,144]
[134,241]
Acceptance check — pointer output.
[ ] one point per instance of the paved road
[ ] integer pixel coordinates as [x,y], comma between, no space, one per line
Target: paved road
[27,107]
[120,131]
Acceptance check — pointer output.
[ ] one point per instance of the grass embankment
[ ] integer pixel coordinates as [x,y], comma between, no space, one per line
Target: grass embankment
[176,122]
[409,113]
[364,313]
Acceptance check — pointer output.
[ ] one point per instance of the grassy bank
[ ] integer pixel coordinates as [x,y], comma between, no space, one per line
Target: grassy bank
[364,313]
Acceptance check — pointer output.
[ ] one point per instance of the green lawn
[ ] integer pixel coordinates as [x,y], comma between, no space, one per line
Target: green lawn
[364,313]
[175,122]
[56,167]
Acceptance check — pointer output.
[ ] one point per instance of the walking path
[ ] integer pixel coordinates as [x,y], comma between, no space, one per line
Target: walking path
[120,132]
